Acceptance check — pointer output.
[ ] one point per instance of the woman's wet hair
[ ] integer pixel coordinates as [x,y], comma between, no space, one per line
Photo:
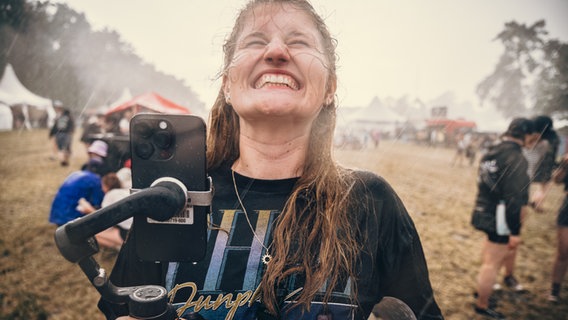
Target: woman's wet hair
[321,198]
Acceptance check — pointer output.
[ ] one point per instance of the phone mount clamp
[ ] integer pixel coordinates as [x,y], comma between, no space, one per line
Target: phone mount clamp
[194,198]
[76,242]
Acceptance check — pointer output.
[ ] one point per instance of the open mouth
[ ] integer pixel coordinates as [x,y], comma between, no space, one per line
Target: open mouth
[271,79]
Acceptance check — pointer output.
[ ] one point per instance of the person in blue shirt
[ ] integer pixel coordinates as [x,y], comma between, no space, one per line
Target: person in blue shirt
[86,184]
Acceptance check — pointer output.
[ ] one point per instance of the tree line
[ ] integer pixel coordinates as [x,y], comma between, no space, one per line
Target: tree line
[57,54]
[531,76]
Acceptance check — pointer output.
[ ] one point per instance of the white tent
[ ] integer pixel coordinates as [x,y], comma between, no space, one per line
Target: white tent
[376,114]
[6,118]
[124,96]
[13,92]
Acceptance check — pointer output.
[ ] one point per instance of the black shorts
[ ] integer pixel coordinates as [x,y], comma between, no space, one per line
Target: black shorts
[562,220]
[495,238]
[63,141]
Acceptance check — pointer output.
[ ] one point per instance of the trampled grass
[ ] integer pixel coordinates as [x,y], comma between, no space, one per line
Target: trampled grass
[36,282]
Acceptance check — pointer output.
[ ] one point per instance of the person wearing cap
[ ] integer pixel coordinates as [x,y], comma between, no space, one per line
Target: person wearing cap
[86,184]
[97,152]
[62,130]
[503,187]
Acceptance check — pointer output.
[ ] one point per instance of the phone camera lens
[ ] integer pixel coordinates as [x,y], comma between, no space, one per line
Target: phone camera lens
[163,139]
[144,150]
[163,125]
[165,154]
[143,130]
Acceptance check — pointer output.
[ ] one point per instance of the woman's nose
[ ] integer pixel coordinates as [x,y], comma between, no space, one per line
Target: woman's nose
[276,52]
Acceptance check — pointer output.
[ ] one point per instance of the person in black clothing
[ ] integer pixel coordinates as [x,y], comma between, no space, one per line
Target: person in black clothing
[292,232]
[93,129]
[503,187]
[62,130]
[560,266]
[546,150]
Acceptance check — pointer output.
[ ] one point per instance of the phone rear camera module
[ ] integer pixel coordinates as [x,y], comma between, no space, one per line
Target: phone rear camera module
[163,139]
[144,150]
[143,130]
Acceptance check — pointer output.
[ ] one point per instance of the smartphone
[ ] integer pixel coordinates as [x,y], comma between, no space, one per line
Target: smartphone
[166,145]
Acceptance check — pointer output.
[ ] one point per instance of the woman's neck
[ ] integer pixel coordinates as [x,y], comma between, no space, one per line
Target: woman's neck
[274,157]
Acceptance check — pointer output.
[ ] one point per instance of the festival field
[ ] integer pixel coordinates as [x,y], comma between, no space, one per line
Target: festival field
[36,282]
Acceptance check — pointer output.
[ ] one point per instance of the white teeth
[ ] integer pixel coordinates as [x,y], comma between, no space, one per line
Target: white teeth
[278,79]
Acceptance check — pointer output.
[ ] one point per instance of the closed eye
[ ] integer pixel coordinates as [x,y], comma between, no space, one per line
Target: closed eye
[299,39]
[255,43]
[254,40]
[298,43]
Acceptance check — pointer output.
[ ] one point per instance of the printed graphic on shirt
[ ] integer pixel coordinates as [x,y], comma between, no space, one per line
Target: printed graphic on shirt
[232,273]
[488,173]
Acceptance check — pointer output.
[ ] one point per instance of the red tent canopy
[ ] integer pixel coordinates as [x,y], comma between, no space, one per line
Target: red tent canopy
[149,101]
[451,125]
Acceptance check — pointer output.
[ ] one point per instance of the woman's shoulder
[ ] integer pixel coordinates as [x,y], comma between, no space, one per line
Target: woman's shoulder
[372,185]
[368,179]
[380,202]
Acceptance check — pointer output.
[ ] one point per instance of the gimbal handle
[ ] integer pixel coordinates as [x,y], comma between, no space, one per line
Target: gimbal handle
[75,240]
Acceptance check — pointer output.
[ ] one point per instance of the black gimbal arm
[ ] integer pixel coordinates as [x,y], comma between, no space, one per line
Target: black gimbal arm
[75,240]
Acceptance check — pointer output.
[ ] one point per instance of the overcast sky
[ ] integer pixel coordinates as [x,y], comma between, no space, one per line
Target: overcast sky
[386,47]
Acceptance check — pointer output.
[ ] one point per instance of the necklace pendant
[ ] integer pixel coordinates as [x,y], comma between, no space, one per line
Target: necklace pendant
[266,258]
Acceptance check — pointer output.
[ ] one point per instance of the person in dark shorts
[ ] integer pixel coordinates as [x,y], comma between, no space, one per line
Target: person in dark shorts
[62,131]
[561,261]
[503,193]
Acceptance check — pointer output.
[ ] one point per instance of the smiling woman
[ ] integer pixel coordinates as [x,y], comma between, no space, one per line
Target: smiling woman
[293,234]
[279,69]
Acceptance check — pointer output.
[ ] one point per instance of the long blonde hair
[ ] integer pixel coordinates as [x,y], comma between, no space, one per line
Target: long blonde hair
[313,235]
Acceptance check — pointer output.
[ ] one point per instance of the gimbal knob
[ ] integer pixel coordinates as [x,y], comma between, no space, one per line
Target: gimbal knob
[150,302]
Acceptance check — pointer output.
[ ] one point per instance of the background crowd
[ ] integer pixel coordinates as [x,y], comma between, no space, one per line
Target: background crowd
[102,180]
[515,174]
[99,183]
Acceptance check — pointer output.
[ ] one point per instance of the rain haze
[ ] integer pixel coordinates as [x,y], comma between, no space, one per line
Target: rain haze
[414,168]
[386,49]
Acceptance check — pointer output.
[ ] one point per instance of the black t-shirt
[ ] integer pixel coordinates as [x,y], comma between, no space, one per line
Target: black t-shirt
[547,163]
[223,285]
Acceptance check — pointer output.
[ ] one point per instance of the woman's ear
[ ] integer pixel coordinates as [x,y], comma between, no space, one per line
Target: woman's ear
[226,90]
[331,89]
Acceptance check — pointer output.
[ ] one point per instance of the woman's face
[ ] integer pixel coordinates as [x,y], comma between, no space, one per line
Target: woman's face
[278,69]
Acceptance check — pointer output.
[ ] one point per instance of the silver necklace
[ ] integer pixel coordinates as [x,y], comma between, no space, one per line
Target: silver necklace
[266,258]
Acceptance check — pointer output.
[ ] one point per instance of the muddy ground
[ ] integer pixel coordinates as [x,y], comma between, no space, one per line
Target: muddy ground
[36,282]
